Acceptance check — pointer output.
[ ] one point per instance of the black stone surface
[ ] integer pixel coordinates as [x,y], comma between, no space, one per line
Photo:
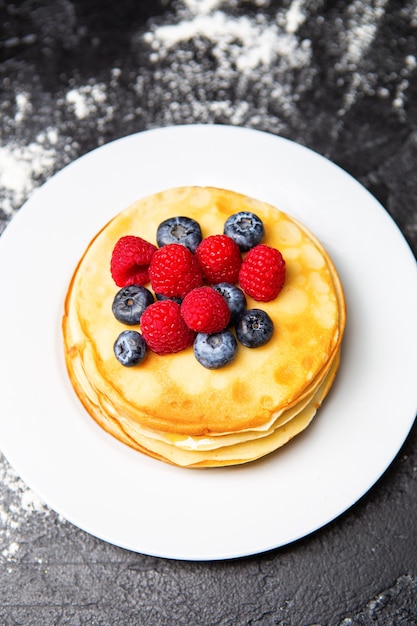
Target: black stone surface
[340,78]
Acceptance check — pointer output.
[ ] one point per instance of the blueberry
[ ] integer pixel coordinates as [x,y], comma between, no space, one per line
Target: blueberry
[234,297]
[160,296]
[245,228]
[215,350]
[130,348]
[254,328]
[130,302]
[182,230]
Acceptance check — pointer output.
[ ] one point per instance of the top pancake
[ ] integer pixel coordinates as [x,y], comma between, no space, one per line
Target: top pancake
[174,393]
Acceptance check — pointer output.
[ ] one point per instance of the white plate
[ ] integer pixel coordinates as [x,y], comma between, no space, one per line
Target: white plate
[145,505]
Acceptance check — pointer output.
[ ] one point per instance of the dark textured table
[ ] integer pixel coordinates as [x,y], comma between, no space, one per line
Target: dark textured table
[339,77]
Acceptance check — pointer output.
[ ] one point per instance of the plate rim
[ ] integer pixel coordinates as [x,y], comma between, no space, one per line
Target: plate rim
[27,214]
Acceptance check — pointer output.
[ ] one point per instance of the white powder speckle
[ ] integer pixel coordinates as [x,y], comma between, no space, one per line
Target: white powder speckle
[383,92]
[410,61]
[213,66]
[20,502]
[295,16]
[31,502]
[26,165]
[400,97]
[86,99]
[3,517]
[21,166]
[14,175]
[202,6]
[50,135]
[22,498]
[243,42]
[11,550]
[362,27]
[23,107]
[79,101]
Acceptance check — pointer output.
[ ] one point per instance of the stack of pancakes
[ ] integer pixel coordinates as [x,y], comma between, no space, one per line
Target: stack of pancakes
[172,408]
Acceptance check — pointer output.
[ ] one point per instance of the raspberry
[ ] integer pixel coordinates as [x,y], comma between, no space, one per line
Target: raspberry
[219,258]
[262,274]
[205,310]
[129,264]
[164,329]
[174,271]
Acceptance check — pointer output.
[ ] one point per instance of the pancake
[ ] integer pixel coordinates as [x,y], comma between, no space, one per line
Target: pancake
[172,408]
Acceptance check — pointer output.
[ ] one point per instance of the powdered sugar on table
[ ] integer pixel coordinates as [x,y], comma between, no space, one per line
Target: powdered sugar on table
[209,61]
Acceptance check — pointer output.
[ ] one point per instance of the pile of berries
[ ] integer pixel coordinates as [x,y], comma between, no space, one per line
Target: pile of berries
[198,288]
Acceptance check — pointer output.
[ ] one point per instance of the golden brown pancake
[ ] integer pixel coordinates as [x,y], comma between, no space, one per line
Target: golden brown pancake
[171,407]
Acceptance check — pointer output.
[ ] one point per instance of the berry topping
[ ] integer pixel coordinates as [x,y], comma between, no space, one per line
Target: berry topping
[235,298]
[246,229]
[130,348]
[130,302]
[182,230]
[219,258]
[164,328]
[130,261]
[254,328]
[200,287]
[215,350]
[262,274]
[205,310]
[174,271]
